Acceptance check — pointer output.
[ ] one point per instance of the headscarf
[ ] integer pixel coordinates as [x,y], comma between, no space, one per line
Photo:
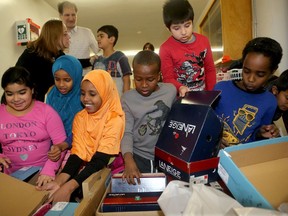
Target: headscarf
[69,104]
[103,130]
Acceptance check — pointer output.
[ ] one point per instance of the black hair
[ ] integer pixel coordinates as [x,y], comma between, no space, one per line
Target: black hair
[149,46]
[147,57]
[177,11]
[111,31]
[18,75]
[268,47]
[66,4]
[282,81]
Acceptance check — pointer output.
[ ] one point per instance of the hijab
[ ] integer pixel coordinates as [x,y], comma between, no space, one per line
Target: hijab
[67,105]
[103,130]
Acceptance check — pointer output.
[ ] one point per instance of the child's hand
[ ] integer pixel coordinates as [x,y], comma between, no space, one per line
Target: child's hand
[43,180]
[5,161]
[223,143]
[93,58]
[131,170]
[55,153]
[183,90]
[269,131]
[51,187]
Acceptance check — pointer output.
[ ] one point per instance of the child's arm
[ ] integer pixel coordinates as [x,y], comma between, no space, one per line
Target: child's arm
[98,162]
[131,170]
[126,83]
[126,72]
[56,131]
[167,67]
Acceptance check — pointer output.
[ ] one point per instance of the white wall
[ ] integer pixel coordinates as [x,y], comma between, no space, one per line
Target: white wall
[271,20]
[10,12]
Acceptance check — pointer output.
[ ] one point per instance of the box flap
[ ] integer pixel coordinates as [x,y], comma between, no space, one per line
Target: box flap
[91,184]
[266,150]
[200,97]
[93,189]
[18,197]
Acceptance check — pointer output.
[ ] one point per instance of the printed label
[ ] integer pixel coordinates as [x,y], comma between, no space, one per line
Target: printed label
[199,179]
[59,206]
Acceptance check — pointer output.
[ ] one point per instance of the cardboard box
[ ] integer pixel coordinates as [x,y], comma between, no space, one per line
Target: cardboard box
[18,197]
[131,213]
[256,173]
[94,188]
[189,142]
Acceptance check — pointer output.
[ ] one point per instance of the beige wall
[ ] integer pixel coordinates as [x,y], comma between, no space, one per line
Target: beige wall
[270,20]
[10,12]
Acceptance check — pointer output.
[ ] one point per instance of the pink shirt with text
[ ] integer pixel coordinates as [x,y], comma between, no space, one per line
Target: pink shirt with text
[26,140]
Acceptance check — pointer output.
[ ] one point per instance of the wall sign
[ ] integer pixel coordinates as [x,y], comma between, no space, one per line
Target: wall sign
[26,31]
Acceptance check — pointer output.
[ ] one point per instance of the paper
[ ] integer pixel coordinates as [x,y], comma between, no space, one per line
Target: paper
[178,199]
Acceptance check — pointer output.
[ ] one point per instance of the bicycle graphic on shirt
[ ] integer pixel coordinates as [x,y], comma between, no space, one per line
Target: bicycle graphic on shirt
[155,119]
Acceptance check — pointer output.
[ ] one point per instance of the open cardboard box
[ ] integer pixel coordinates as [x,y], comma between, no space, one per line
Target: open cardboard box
[256,173]
[18,197]
[132,213]
[94,188]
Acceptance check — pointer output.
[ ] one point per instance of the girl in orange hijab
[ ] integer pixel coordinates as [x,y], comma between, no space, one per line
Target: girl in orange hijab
[97,132]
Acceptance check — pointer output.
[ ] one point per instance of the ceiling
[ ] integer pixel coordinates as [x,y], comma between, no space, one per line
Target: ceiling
[138,22]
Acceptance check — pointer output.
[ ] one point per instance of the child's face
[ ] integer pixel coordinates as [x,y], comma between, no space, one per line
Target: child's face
[146,78]
[63,81]
[90,97]
[103,40]
[282,98]
[182,32]
[256,71]
[18,97]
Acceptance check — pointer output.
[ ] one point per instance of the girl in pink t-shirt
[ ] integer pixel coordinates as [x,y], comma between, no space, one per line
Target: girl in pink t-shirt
[28,128]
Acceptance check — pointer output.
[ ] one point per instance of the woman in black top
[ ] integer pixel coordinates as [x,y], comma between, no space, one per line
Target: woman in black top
[40,54]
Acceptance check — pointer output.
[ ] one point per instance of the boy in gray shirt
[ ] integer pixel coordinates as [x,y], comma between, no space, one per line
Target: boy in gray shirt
[146,108]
